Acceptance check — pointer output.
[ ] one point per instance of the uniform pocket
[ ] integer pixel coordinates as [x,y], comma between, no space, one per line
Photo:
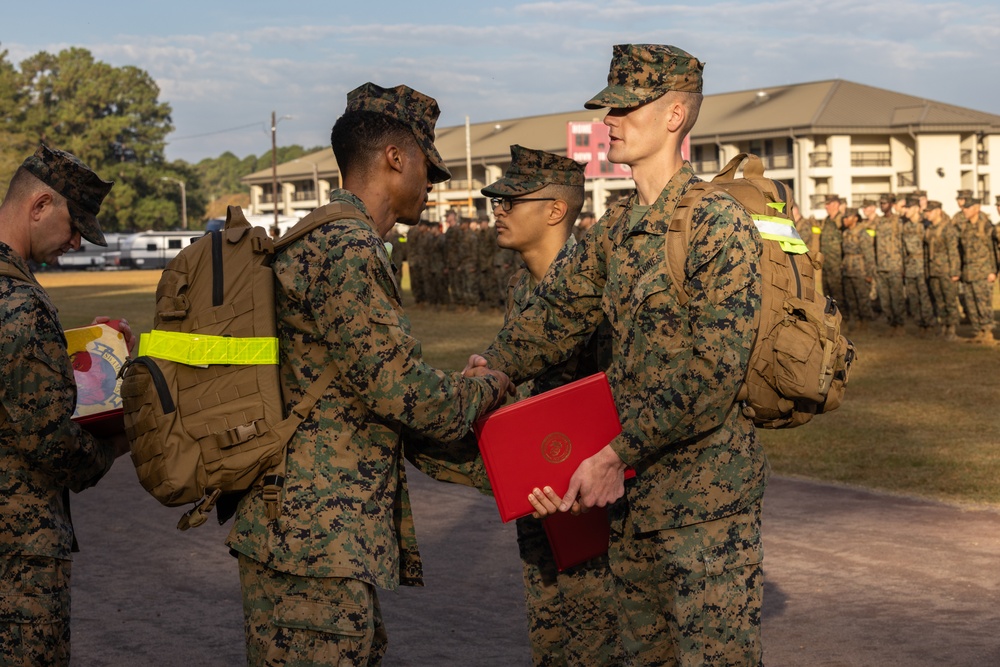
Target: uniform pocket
[327,616]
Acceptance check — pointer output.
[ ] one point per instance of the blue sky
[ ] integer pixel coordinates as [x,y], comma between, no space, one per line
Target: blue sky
[225,66]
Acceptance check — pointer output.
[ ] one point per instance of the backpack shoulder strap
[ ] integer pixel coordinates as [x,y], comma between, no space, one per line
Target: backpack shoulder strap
[13,271]
[679,234]
[337,210]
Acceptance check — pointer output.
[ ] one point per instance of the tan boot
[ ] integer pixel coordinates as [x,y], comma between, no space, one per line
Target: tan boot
[949,333]
[987,339]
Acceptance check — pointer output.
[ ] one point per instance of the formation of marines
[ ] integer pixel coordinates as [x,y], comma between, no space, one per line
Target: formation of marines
[911,263]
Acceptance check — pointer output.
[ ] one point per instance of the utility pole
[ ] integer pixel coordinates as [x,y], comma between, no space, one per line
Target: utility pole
[184,203]
[274,167]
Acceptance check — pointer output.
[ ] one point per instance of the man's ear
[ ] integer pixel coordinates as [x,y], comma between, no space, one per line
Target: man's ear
[557,212]
[394,157]
[39,202]
[676,115]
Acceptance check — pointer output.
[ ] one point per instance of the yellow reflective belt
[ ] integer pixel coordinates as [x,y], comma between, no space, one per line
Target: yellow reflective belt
[781,230]
[202,350]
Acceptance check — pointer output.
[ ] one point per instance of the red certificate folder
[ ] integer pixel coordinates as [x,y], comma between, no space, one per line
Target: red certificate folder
[577,538]
[543,439]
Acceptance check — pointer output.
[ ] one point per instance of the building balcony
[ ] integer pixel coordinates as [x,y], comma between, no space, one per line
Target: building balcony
[906,179]
[705,166]
[871,159]
[821,159]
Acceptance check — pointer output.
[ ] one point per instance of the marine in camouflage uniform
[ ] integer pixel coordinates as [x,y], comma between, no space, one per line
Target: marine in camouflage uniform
[685,541]
[572,618]
[944,269]
[978,246]
[889,265]
[437,273]
[830,242]
[859,268]
[918,297]
[344,525]
[52,201]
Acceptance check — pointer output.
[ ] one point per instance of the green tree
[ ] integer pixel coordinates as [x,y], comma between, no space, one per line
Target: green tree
[112,119]
[14,145]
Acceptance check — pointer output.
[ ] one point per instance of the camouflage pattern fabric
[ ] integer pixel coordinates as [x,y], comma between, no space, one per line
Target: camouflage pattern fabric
[83,189]
[943,263]
[831,247]
[641,73]
[889,266]
[344,507]
[34,611]
[707,609]
[291,620]
[42,451]
[978,248]
[859,272]
[675,369]
[572,615]
[417,111]
[918,296]
[43,455]
[531,170]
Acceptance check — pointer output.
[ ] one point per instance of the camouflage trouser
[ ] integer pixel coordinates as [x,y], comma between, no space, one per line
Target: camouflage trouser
[833,283]
[572,615]
[979,302]
[691,596]
[34,611]
[297,621]
[945,294]
[856,296]
[892,296]
[918,301]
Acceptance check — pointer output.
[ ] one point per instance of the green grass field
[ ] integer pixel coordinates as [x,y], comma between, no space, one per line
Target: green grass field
[920,417]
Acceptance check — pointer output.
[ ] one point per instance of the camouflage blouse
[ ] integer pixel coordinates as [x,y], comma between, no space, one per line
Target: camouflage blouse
[42,451]
[344,510]
[675,370]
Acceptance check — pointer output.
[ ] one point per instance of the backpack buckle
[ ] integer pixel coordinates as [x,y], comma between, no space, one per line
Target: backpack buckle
[240,434]
[198,514]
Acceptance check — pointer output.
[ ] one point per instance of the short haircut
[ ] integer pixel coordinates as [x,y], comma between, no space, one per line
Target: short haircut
[573,195]
[691,102]
[358,136]
[24,184]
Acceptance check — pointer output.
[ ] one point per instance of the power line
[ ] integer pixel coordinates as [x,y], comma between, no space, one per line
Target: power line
[208,134]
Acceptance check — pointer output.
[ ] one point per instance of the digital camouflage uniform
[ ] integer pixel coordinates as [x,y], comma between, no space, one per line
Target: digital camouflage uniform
[889,268]
[572,615]
[830,245]
[977,244]
[943,264]
[43,453]
[859,271]
[674,373]
[344,526]
[918,297]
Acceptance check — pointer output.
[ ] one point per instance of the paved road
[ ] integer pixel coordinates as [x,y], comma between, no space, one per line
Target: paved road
[852,578]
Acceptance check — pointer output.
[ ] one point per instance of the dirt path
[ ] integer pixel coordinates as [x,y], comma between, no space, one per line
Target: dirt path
[851,578]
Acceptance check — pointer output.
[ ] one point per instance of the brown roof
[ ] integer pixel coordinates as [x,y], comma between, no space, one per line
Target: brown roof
[822,107]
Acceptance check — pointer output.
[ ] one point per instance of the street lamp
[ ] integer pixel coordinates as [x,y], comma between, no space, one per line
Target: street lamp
[274,164]
[184,205]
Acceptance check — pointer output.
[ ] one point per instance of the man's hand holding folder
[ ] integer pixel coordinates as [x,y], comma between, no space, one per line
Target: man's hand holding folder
[597,482]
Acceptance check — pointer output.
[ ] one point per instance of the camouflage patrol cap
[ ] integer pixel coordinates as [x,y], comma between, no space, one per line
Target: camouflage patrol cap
[83,189]
[970,202]
[851,213]
[531,170]
[414,109]
[912,200]
[887,197]
[868,202]
[920,193]
[641,73]
[933,205]
[962,194]
[829,199]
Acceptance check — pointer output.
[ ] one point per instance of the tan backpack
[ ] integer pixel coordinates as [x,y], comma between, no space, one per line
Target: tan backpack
[800,362]
[203,407]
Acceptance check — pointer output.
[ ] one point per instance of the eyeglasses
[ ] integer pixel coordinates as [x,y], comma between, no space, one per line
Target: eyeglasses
[507,203]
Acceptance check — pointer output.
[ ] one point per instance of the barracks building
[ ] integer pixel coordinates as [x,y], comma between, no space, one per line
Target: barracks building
[826,137]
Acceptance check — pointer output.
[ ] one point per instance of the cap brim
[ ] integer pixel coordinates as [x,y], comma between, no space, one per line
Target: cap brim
[506,187]
[620,97]
[89,228]
[438,172]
